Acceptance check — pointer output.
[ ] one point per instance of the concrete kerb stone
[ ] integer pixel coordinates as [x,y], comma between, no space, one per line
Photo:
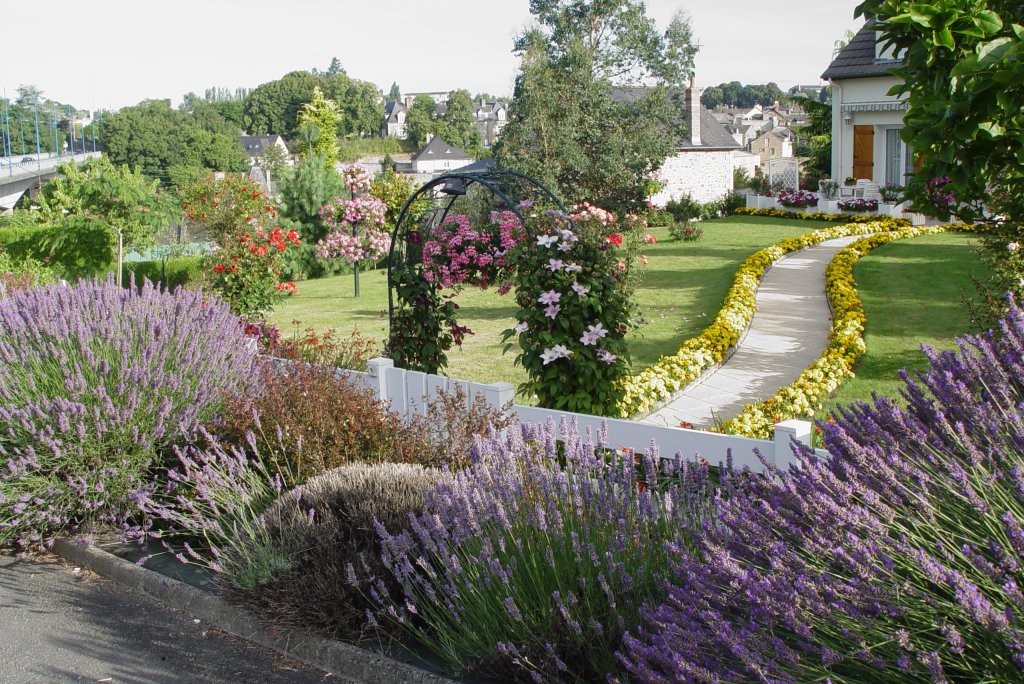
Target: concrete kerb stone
[345,661]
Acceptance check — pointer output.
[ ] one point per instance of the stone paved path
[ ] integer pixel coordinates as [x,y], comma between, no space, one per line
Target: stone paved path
[788,333]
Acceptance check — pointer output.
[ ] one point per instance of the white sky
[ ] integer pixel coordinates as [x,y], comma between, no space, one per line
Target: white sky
[112,53]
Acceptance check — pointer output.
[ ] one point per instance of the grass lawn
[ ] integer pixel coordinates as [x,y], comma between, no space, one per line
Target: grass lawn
[682,289]
[912,292]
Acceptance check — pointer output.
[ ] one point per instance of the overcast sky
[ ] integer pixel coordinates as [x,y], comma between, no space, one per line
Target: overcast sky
[111,53]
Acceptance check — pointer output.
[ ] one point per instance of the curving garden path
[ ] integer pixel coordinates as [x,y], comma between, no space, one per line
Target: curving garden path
[789,332]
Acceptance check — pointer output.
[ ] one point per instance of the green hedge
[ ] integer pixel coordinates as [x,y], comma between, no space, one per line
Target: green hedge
[22,241]
[184,271]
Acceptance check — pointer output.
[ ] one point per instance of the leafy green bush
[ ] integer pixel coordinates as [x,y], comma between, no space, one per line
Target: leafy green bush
[21,236]
[320,537]
[22,274]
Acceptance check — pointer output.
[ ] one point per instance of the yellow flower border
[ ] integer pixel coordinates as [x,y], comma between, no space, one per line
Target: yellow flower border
[820,216]
[806,396]
[657,383]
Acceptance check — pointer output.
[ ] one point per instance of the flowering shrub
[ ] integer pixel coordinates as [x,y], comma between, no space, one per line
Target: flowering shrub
[521,565]
[857,204]
[574,286]
[357,223]
[817,216]
[796,198]
[898,559]
[245,267]
[246,270]
[358,230]
[457,253]
[573,281]
[807,394]
[658,382]
[208,510]
[22,274]
[685,231]
[225,207]
[96,382]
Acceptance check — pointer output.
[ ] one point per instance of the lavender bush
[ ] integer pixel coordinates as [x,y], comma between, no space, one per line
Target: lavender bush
[318,529]
[96,382]
[524,564]
[207,511]
[899,559]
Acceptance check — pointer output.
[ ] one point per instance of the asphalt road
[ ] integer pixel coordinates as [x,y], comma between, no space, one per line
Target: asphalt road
[59,623]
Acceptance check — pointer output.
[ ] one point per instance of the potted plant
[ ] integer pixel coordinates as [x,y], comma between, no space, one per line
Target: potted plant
[796,199]
[857,205]
[829,189]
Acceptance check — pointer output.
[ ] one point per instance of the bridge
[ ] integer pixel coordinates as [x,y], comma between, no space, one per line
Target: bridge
[18,174]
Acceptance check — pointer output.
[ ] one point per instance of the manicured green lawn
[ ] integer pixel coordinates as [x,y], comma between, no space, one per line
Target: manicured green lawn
[683,287]
[913,294]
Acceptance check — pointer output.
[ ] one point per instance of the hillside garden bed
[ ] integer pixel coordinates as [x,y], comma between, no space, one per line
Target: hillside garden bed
[527,557]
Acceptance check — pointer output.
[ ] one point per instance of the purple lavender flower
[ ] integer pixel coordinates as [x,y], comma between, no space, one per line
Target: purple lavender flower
[96,382]
[896,559]
[557,555]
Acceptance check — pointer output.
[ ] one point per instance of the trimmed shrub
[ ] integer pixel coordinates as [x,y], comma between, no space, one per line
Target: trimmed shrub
[320,538]
[521,565]
[898,559]
[171,273]
[96,383]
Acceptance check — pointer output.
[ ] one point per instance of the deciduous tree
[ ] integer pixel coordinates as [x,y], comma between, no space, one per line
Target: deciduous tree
[565,126]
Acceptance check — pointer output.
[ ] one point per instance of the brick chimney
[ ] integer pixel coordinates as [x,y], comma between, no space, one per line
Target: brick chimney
[693,109]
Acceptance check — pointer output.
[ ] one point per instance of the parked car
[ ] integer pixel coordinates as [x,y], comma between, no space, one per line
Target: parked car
[25,160]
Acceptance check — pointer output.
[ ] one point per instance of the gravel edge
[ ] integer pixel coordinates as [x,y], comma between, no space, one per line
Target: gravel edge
[343,660]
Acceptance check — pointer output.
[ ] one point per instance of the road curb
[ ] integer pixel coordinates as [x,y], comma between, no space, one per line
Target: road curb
[345,661]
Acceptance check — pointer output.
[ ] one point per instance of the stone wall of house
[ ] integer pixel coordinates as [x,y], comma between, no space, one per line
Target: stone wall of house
[703,175]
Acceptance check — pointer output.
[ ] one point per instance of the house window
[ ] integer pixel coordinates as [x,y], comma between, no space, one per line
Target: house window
[898,158]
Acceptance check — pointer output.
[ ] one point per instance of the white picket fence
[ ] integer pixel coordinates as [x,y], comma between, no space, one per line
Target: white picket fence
[409,392]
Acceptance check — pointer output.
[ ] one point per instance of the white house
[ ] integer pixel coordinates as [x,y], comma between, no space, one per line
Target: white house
[866,121]
[395,125]
[489,120]
[256,146]
[438,156]
[703,165]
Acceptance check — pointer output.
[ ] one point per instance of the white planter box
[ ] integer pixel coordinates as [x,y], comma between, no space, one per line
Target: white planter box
[828,206]
[898,211]
[762,202]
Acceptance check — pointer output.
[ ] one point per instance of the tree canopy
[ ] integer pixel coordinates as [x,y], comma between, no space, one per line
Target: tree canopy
[166,143]
[735,94]
[570,123]
[322,114]
[273,107]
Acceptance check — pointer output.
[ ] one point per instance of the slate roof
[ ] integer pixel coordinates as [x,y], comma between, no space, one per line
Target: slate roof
[439,149]
[255,145]
[857,59]
[391,110]
[712,133]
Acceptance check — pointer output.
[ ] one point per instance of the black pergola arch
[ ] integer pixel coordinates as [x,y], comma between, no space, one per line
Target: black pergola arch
[433,201]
